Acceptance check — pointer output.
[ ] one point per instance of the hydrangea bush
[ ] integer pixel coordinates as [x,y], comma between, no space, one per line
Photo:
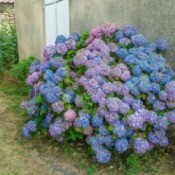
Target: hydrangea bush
[110,87]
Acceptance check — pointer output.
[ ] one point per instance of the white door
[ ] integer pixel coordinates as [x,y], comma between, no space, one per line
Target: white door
[56,19]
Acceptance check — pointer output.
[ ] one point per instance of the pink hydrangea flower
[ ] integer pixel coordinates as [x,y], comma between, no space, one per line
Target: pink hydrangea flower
[58,106]
[32,78]
[109,28]
[61,48]
[70,44]
[70,115]
[88,131]
[125,76]
[97,31]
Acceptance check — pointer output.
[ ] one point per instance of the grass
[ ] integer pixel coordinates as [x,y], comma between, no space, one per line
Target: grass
[47,157]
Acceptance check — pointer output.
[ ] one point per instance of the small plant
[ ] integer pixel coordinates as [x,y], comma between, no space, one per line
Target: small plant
[20,70]
[8,45]
[13,81]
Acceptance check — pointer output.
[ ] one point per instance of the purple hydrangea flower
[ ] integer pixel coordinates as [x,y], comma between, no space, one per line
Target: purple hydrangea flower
[171,116]
[70,44]
[75,36]
[103,156]
[124,41]
[139,40]
[163,95]
[158,138]
[129,30]
[113,104]
[159,105]
[49,51]
[141,146]
[58,106]
[135,121]
[56,128]
[61,48]
[56,62]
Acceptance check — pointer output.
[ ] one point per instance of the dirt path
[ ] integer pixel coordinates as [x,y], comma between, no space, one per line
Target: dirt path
[20,156]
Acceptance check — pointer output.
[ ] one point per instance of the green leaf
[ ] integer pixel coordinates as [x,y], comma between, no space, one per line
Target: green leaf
[67,80]
[44,131]
[68,106]
[110,128]
[86,96]
[38,99]
[37,135]
[60,84]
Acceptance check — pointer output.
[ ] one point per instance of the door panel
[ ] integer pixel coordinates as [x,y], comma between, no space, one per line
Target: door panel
[56,19]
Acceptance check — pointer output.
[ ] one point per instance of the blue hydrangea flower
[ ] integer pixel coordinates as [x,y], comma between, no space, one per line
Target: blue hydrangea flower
[119,130]
[121,145]
[60,39]
[83,122]
[96,121]
[139,40]
[151,99]
[162,44]
[75,36]
[136,70]
[26,133]
[119,35]
[121,52]
[62,72]
[103,131]
[155,88]
[31,126]
[130,59]
[48,75]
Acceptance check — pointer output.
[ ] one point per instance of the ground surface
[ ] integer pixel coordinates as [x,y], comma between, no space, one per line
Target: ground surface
[19,156]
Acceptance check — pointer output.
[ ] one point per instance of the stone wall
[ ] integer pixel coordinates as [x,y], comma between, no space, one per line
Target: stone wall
[153,18]
[7,12]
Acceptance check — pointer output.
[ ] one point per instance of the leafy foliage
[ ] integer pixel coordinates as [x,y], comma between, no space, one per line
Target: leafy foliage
[8,45]
[20,70]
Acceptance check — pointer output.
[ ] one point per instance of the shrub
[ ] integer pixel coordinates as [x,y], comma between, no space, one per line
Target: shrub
[8,45]
[20,70]
[13,81]
[111,87]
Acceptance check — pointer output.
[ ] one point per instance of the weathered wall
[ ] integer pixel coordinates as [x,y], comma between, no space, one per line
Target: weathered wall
[7,12]
[154,18]
[30,27]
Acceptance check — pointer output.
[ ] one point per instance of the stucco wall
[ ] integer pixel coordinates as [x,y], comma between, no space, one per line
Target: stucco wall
[30,27]
[154,18]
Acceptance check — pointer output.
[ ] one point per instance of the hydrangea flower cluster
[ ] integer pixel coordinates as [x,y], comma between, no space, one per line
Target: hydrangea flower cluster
[111,86]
